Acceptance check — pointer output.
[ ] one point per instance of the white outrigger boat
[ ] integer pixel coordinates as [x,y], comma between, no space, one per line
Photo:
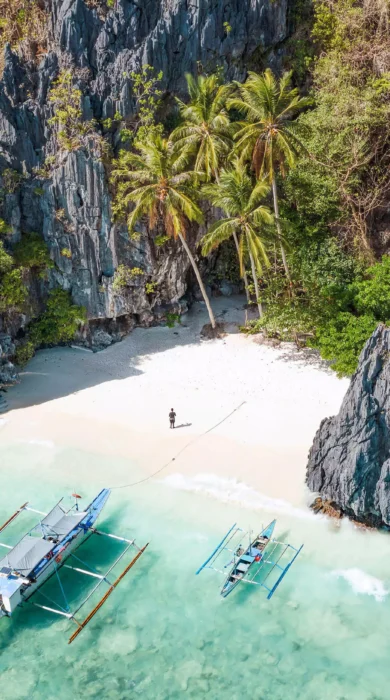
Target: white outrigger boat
[45,549]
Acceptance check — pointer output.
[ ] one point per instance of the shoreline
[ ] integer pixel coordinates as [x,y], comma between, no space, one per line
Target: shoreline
[246,411]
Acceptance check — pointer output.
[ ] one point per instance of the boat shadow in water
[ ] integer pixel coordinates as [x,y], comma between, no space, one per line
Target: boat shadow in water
[93,556]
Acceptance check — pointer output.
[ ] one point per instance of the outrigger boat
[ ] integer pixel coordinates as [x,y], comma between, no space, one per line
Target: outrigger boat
[44,550]
[263,562]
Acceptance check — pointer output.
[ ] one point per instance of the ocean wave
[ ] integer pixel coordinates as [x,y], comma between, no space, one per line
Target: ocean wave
[3,421]
[233,491]
[42,443]
[361,582]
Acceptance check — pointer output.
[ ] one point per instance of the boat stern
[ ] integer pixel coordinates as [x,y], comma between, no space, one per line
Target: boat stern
[11,587]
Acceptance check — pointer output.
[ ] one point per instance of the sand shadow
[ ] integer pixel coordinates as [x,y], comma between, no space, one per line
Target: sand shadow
[183,425]
[43,378]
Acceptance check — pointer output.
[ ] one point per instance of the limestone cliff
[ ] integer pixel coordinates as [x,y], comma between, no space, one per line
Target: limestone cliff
[71,208]
[349,462]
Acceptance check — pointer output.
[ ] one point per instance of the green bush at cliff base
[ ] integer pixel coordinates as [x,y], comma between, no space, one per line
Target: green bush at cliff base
[31,252]
[372,294]
[24,353]
[336,318]
[60,321]
[343,338]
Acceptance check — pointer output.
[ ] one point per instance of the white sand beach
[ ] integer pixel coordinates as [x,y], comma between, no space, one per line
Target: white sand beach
[265,403]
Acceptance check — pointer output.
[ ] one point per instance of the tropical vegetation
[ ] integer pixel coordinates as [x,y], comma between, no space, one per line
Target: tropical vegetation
[288,173]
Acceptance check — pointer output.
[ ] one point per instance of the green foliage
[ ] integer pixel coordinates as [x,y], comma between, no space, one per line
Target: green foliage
[31,252]
[205,138]
[227,28]
[147,94]
[125,276]
[150,287]
[24,352]
[22,20]
[4,228]
[171,319]
[160,240]
[372,294]
[13,291]
[11,180]
[6,262]
[247,217]
[39,191]
[60,321]
[66,253]
[73,130]
[45,170]
[342,339]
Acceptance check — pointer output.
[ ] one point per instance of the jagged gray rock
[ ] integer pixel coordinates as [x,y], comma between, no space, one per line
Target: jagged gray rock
[72,208]
[349,461]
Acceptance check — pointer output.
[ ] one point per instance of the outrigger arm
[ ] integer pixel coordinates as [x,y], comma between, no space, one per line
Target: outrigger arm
[103,578]
[15,515]
[101,602]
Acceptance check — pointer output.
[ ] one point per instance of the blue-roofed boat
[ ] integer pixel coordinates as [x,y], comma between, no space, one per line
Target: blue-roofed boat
[263,561]
[45,548]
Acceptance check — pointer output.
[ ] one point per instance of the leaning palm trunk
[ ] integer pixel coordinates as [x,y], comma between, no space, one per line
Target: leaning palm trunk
[244,275]
[198,277]
[257,291]
[276,209]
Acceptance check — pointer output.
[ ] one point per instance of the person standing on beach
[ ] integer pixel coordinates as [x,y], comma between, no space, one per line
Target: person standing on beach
[172,418]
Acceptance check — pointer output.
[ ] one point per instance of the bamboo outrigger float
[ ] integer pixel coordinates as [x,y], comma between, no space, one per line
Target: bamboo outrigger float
[42,552]
[264,561]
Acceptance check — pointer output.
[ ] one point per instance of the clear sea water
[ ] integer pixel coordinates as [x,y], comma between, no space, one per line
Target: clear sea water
[165,633]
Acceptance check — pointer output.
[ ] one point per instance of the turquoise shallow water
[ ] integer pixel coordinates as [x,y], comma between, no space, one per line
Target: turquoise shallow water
[167,634]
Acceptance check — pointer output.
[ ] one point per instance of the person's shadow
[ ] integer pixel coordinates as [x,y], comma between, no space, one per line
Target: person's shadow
[183,425]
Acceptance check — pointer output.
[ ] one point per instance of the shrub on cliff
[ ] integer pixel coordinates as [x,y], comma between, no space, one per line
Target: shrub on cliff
[31,252]
[60,321]
[13,291]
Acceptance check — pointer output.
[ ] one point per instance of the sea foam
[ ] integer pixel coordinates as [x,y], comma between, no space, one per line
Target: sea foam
[42,443]
[233,491]
[361,582]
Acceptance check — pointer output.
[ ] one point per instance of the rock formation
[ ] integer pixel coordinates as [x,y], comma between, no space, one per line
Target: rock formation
[349,462]
[72,207]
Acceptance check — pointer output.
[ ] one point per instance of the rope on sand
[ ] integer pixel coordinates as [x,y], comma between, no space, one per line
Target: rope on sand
[146,478]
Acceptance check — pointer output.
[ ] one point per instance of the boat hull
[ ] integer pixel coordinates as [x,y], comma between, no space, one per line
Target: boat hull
[51,563]
[235,576]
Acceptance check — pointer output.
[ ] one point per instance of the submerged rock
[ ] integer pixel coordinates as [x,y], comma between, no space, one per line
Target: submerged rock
[349,461]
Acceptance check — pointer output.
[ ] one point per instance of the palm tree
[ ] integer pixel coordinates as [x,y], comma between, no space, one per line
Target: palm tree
[241,202]
[206,132]
[268,134]
[154,180]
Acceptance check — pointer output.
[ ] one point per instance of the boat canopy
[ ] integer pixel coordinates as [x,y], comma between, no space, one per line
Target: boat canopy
[25,556]
[58,523]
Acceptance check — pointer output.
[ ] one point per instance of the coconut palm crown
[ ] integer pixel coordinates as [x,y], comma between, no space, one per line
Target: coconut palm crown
[248,219]
[268,135]
[156,184]
[206,133]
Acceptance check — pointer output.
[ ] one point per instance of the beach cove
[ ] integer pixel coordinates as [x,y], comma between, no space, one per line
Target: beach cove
[246,416]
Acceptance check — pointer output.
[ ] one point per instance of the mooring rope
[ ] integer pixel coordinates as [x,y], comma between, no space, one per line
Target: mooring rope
[191,442]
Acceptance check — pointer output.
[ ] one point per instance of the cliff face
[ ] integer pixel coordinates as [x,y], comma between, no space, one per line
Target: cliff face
[349,462]
[72,207]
